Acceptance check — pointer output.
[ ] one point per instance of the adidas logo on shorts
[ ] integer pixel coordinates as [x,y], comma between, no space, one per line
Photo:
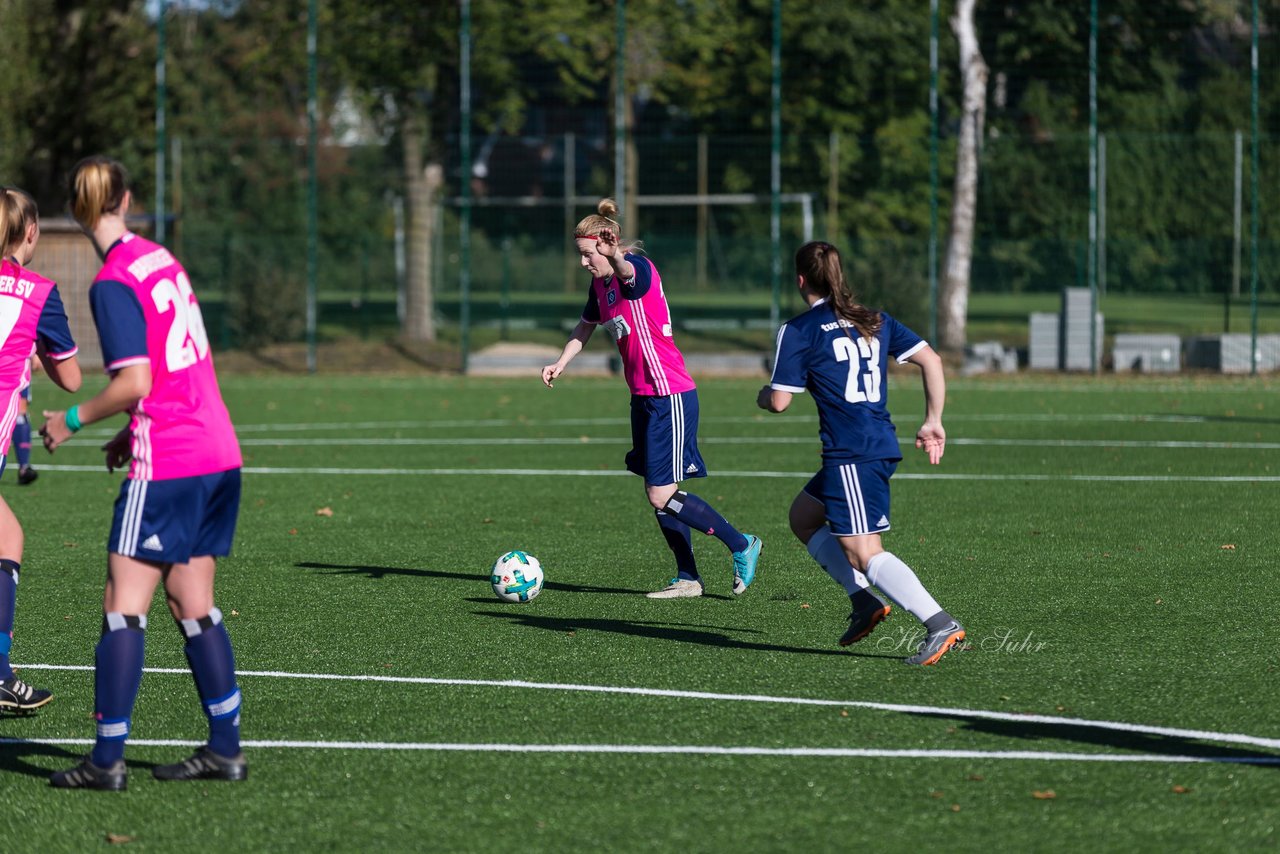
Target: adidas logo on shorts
[152,543]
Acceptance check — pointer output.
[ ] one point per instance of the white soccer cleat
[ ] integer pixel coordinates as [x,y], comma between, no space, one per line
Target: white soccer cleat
[679,588]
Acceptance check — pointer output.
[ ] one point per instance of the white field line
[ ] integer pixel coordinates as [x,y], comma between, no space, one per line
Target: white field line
[679,750]
[776,420]
[940,711]
[746,440]
[473,441]
[473,472]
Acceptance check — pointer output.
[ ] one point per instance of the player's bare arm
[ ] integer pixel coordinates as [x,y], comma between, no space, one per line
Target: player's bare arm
[64,372]
[128,385]
[931,437]
[577,340]
[607,245]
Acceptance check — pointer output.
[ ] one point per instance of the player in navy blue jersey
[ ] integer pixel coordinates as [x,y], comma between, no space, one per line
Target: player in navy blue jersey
[838,351]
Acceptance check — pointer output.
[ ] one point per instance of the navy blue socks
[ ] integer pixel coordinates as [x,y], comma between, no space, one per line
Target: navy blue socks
[701,516]
[680,540]
[8,601]
[22,440]
[119,673]
[116,679]
[213,666]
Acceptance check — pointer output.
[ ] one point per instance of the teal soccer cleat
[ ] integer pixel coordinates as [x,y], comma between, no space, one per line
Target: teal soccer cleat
[744,565]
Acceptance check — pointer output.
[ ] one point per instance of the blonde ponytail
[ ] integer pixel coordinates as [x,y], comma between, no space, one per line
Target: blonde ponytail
[590,226]
[98,186]
[17,212]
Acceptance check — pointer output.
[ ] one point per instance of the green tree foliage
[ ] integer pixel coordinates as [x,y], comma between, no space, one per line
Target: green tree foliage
[1173,86]
[1173,89]
[81,82]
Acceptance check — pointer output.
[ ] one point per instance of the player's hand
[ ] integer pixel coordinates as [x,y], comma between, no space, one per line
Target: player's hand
[549,373]
[119,450]
[607,242]
[764,398]
[55,430]
[932,439]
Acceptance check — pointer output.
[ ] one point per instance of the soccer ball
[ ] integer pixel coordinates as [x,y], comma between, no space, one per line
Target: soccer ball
[516,577]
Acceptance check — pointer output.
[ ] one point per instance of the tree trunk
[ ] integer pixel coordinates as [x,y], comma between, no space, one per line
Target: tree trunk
[953,301]
[422,183]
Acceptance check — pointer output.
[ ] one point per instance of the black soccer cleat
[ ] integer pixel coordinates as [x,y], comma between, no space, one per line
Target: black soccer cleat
[18,696]
[86,775]
[861,623]
[27,475]
[204,764]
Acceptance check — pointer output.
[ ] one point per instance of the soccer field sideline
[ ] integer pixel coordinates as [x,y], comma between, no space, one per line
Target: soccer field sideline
[984,714]
[938,476]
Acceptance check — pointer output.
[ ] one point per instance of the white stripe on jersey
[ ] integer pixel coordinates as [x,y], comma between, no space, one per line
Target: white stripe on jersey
[645,335]
[904,357]
[777,351]
[131,523]
[853,496]
[10,417]
[142,456]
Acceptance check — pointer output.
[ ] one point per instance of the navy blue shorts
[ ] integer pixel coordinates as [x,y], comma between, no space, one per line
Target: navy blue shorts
[171,521]
[664,438]
[855,496]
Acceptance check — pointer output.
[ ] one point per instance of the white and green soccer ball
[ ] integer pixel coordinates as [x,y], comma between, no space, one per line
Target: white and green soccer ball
[516,577]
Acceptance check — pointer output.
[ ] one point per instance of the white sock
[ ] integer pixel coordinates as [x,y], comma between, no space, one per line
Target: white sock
[826,550]
[900,584]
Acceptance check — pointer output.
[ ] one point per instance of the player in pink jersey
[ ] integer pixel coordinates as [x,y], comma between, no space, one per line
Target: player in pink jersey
[31,320]
[627,299]
[176,512]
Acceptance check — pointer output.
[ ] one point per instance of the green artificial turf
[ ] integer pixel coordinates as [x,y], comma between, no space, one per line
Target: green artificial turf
[1108,543]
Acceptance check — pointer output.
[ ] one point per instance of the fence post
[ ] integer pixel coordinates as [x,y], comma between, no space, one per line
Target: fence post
[703,182]
[160,121]
[1093,185]
[313,220]
[933,172]
[464,225]
[570,191]
[1253,194]
[775,169]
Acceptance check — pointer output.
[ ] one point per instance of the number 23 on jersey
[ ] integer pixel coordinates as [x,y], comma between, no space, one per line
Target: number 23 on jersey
[863,356]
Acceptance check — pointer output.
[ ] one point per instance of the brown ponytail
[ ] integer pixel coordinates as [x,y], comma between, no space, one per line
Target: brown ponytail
[17,212]
[819,264]
[98,186]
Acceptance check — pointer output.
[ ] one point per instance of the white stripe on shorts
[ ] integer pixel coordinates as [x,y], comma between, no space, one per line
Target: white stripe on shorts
[677,438]
[853,496]
[131,524]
